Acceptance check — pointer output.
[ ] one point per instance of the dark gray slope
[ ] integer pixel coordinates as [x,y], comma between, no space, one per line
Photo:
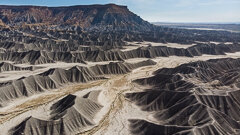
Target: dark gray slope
[69,115]
[51,79]
[4,66]
[56,78]
[119,67]
[141,127]
[40,57]
[191,107]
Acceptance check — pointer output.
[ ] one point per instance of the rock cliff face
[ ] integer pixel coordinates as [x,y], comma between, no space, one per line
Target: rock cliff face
[111,15]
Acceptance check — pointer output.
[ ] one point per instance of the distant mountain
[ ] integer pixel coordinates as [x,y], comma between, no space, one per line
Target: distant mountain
[85,16]
[231,26]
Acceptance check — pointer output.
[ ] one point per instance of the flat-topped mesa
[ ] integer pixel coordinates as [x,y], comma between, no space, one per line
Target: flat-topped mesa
[86,16]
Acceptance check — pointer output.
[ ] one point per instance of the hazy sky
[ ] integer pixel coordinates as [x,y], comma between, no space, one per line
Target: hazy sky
[160,10]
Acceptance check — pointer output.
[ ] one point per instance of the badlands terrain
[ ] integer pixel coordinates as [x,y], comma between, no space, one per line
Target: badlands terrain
[102,70]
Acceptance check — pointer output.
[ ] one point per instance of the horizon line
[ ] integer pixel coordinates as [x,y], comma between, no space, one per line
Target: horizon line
[192,22]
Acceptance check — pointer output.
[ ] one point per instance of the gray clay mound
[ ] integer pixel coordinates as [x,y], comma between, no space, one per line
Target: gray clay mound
[68,116]
[4,66]
[57,77]
[188,107]
[51,79]
[41,57]
[119,67]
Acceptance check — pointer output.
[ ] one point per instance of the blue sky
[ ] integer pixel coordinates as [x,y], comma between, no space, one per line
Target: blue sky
[160,10]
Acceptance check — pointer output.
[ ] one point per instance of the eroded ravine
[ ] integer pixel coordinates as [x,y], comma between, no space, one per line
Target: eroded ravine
[43,100]
[115,121]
